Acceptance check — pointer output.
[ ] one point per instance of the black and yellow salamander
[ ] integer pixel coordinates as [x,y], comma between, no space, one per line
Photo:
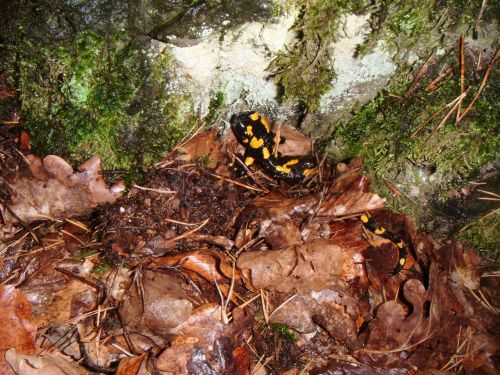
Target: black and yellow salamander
[254,133]
[372,225]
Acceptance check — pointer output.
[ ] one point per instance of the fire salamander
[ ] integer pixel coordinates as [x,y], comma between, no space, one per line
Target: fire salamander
[371,225]
[254,133]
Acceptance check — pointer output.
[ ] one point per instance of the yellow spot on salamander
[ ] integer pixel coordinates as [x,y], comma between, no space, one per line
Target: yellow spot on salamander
[292,162]
[380,230]
[283,168]
[245,140]
[249,130]
[400,245]
[254,116]
[265,153]
[309,171]
[402,261]
[364,219]
[256,142]
[266,124]
[249,161]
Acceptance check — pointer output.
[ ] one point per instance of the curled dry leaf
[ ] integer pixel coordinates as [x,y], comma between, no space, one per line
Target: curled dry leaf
[350,203]
[394,328]
[273,217]
[42,365]
[209,264]
[293,142]
[56,191]
[204,146]
[17,330]
[156,305]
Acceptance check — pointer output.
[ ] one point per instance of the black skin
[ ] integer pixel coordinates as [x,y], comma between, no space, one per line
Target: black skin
[239,125]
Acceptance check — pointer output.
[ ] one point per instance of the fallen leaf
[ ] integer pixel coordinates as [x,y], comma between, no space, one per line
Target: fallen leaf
[311,266]
[17,330]
[131,365]
[203,146]
[42,365]
[56,192]
[156,305]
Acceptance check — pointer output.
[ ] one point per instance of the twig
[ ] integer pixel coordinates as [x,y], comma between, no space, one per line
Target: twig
[433,85]
[161,191]
[33,251]
[481,87]
[437,113]
[489,193]
[237,183]
[479,16]
[282,304]
[445,118]
[462,73]
[480,219]
[186,234]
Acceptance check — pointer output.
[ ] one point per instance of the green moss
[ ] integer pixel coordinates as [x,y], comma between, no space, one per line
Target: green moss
[305,72]
[435,162]
[483,234]
[99,96]
[418,24]
[284,330]
[101,269]
[214,108]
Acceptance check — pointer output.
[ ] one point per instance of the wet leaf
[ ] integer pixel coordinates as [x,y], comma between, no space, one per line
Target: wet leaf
[17,330]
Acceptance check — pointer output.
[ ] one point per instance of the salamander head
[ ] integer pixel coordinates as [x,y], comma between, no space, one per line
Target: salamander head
[239,125]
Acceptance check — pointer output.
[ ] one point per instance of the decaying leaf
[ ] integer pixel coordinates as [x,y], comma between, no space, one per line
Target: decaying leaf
[57,297]
[17,330]
[203,146]
[132,366]
[311,266]
[55,191]
[156,305]
[204,344]
[42,365]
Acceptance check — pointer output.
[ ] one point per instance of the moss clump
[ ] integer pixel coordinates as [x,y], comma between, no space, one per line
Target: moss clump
[306,72]
[418,25]
[98,95]
[214,108]
[429,163]
[484,234]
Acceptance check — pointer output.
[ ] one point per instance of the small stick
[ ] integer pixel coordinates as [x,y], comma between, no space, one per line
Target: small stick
[443,121]
[161,191]
[483,84]
[237,183]
[433,85]
[462,73]
[437,113]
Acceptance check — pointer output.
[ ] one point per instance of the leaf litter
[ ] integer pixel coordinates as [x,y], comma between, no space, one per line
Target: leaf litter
[202,269]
